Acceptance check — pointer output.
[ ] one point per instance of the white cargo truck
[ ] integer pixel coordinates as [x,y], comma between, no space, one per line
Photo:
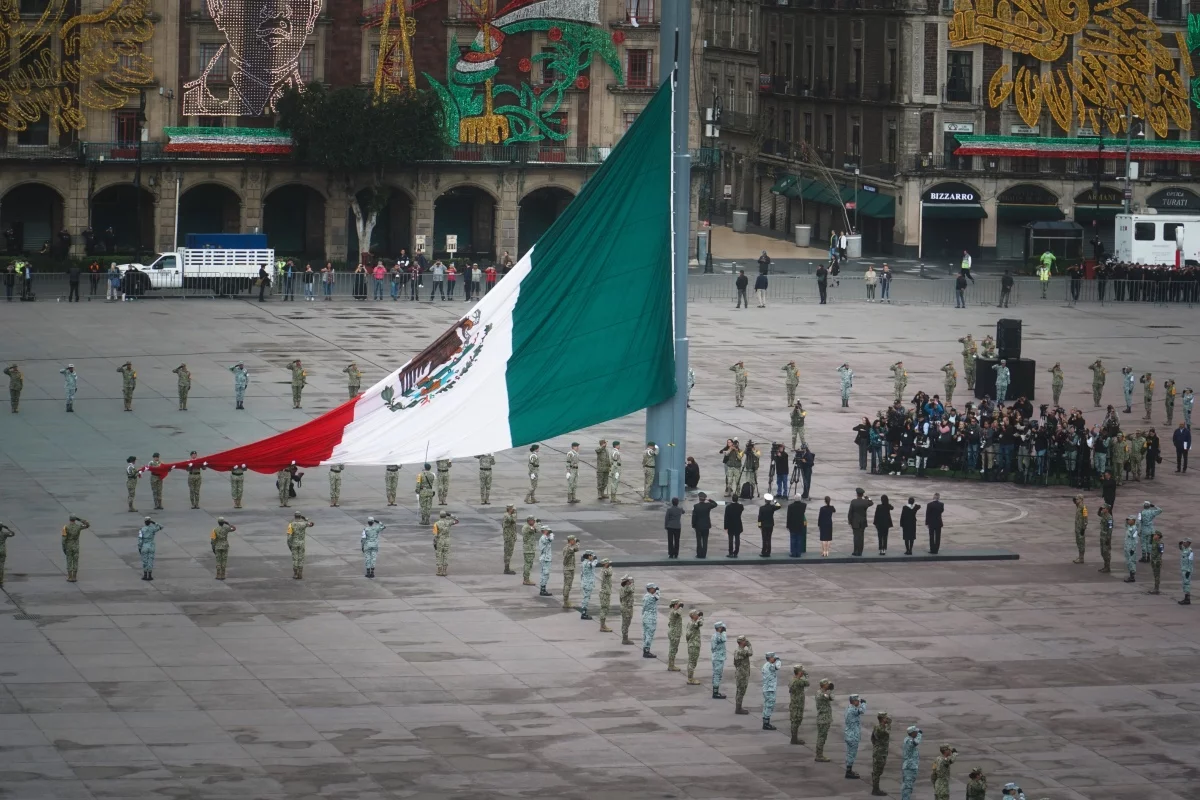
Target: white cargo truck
[216,270]
[1156,238]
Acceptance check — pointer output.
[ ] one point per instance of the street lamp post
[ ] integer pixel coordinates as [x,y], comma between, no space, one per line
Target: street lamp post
[1127,195]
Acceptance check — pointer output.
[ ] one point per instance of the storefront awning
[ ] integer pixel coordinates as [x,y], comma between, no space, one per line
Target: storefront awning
[785,184]
[1085,214]
[953,211]
[872,204]
[819,192]
[1028,213]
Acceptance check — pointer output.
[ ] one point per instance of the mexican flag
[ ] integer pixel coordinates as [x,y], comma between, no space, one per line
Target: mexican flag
[579,332]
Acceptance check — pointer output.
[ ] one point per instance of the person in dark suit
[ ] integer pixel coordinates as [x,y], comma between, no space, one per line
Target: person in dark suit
[673,522]
[933,521]
[908,524]
[1108,488]
[733,526]
[857,517]
[825,525]
[883,522]
[797,527]
[766,523]
[702,524]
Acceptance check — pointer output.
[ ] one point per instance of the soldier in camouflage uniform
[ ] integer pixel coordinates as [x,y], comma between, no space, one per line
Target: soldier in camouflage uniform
[741,673]
[1081,523]
[391,481]
[626,608]
[791,380]
[128,384]
[717,654]
[674,632]
[988,347]
[602,466]
[1187,560]
[370,544]
[545,556]
[899,379]
[70,544]
[283,482]
[692,637]
[1118,456]
[1127,382]
[1156,556]
[486,463]
[910,761]
[1146,527]
[1106,534]
[70,385]
[529,537]
[185,384]
[1147,381]
[335,485]
[508,529]
[824,701]
[1137,454]
[299,379]
[941,772]
[797,420]
[155,481]
[605,593]
[1099,376]
[881,737]
[770,681]
[146,547]
[1131,547]
[649,465]
[572,472]
[241,381]
[796,701]
[649,618]
[443,480]
[846,375]
[297,534]
[219,542]
[1056,381]
[951,381]
[6,533]
[132,473]
[969,353]
[237,483]
[977,785]
[570,551]
[441,541]
[425,491]
[587,581]
[740,379]
[16,382]
[1169,393]
[614,472]
[194,471]
[535,465]
[852,732]
[353,379]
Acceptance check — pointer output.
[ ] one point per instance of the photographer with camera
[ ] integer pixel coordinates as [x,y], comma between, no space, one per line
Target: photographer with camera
[780,470]
[802,463]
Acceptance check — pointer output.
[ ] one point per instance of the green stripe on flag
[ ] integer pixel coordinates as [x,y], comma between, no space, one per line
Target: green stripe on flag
[592,328]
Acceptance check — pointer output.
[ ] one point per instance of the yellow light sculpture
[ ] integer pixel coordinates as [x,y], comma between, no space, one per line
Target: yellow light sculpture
[395,33]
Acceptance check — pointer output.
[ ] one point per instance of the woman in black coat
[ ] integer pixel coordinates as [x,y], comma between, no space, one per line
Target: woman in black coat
[908,524]
[797,529]
[883,522]
[862,438]
[691,474]
[825,525]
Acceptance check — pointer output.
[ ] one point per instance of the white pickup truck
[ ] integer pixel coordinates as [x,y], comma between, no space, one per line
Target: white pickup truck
[221,271]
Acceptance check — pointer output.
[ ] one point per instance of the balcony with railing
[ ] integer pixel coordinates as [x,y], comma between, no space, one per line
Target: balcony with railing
[963,93]
[1170,11]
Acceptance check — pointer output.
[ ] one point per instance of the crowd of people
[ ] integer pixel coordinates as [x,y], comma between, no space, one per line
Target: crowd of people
[404,276]
[1147,283]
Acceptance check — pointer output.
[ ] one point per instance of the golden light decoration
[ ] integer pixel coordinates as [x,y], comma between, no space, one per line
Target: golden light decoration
[1121,61]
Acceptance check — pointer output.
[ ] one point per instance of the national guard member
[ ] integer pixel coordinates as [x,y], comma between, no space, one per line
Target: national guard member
[740,380]
[572,472]
[741,673]
[529,537]
[508,529]
[545,555]
[155,481]
[649,464]
[941,772]
[535,464]
[70,384]
[899,379]
[335,484]
[649,618]
[910,761]
[132,474]
[425,490]
[353,379]
[852,732]
[674,632]
[977,781]
[614,472]
[128,384]
[1187,560]
[717,654]
[1189,400]
[951,380]
[626,600]
[602,466]
[1099,375]
[443,480]
[299,379]
[881,737]
[1081,523]
[70,544]
[970,352]
[570,549]
[692,637]
[16,382]
[283,482]
[193,479]
[798,415]
[1127,387]
[6,533]
[241,380]
[391,481]
[770,681]
[796,701]
[146,547]
[1003,378]
[370,544]
[220,545]
[824,701]
[441,541]
[486,463]
[587,581]
[847,378]
[297,535]
[1131,547]
[605,593]
[791,380]
[1106,534]
[1156,555]
[185,384]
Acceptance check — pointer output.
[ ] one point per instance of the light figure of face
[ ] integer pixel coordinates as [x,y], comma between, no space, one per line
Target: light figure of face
[265,35]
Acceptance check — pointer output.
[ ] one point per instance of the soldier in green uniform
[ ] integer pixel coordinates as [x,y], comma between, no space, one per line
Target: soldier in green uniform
[508,529]
[185,384]
[1081,523]
[155,481]
[741,672]
[237,483]
[572,472]
[1147,381]
[529,537]
[70,544]
[6,533]
[283,482]
[731,456]
[941,772]
[692,637]
[370,544]
[740,379]
[796,701]
[391,481]
[220,545]
[146,547]
[989,347]
[132,473]
[950,382]
[535,465]
[614,472]
[1106,534]
[824,701]
[1169,393]
[1156,556]
[1187,560]
[297,534]
[602,466]
[791,380]
[1099,375]
[606,593]
[899,379]
[881,737]
[194,471]
[1137,454]
[299,379]
[353,379]
[16,382]
[1056,381]
[335,485]
[798,415]
[570,551]
[441,541]
[969,353]
[977,785]
[128,384]
[674,632]
[486,463]
[649,470]
[626,600]
[1118,456]
[443,480]
[425,491]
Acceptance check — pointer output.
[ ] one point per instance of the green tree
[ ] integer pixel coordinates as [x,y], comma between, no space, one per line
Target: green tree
[357,134]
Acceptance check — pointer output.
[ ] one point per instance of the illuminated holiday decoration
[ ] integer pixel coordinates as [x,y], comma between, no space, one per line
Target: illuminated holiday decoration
[1120,61]
[54,65]
[228,141]
[263,46]
[397,26]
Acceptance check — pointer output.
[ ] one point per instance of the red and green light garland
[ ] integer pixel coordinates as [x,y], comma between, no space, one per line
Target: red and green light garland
[1085,147]
[228,141]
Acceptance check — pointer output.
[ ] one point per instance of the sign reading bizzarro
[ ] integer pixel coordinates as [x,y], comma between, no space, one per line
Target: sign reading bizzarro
[951,193]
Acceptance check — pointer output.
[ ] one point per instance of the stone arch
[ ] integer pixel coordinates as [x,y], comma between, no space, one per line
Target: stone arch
[537,211]
[209,207]
[34,212]
[129,211]
[468,211]
[293,216]
[393,226]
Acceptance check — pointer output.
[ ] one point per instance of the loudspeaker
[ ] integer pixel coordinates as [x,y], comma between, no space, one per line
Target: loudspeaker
[1008,339]
[1021,378]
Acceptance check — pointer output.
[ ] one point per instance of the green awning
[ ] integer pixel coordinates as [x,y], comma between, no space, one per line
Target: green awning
[872,204]
[954,211]
[1027,213]
[819,192]
[1085,214]
[784,184]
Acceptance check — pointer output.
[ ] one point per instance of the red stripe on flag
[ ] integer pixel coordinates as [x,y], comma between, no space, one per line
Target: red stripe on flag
[307,445]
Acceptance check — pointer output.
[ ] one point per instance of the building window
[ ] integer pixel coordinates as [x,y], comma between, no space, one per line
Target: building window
[787,127]
[750,26]
[959,76]
[220,69]
[548,74]
[855,138]
[130,61]
[808,129]
[125,127]
[749,97]
[891,141]
[830,65]
[35,133]
[307,62]
[731,96]
[640,10]
[827,144]
[638,66]
[628,118]
[211,122]
[787,61]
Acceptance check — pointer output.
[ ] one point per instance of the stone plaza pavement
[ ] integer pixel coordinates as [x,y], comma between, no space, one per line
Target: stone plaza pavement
[1072,683]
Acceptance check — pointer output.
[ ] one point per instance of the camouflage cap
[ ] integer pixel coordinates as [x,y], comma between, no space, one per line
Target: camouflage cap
[571,537]
[945,746]
[530,517]
[673,603]
[510,507]
[852,697]
[298,515]
[770,655]
[606,560]
[913,729]
[740,638]
[652,586]
[882,715]
[797,668]
[443,514]
[588,553]
[626,578]
[1008,787]
[718,624]
[1187,540]
[695,612]
[148,519]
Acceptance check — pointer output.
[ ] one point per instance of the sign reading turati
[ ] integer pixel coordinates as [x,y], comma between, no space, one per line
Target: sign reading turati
[1120,60]
[100,65]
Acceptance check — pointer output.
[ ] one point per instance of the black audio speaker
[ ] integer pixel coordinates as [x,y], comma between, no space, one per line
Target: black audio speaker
[1008,338]
[1022,374]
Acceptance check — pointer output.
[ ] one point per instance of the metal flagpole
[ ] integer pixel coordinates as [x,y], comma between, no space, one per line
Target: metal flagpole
[666,423]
